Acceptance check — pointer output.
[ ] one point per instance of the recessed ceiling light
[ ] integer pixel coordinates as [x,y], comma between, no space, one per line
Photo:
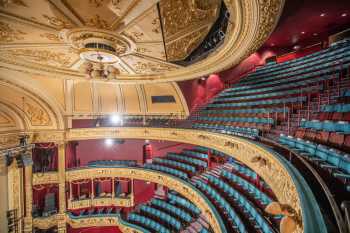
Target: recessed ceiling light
[323,14]
[109,142]
[302,32]
[115,119]
[344,15]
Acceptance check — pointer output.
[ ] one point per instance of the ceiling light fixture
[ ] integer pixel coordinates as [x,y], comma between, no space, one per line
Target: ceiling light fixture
[315,34]
[344,15]
[116,119]
[109,142]
[323,14]
[302,32]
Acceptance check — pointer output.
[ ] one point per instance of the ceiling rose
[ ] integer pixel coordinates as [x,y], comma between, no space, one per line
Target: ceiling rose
[129,40]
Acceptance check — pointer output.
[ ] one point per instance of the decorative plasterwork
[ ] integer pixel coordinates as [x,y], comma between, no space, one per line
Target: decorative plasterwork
[186,17]
[101,201]
[273,172]
[251,22]
[29,107]
[45,178]
[45,222]
[171,182]
[8,140]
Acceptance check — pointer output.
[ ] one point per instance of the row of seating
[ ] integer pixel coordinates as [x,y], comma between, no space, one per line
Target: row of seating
[168,170]
[95,212]
[328,66]
[260,102]
[298,82]
[183,166]
[333,50]
[112,163]
[183,202]
[246,111]
[149,223]
[256,193]
[268,95]
[196,154]
[179,213]
[193,161]
[241,169]
[328,157]
[243,202]
[232,130]
[329,126]
[232,216]
[212,151]
[335,108]
[171,221]
[238,119]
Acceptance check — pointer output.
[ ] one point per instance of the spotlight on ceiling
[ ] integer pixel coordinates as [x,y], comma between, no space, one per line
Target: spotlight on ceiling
[296,47]
[302,32]
[109,142]
[323,14]
[116,119]
[344,15]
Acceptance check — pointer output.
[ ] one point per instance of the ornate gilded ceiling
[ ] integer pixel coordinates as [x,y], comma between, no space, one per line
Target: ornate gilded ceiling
[139,38]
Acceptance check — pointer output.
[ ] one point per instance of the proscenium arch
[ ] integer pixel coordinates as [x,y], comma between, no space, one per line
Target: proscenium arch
[23,89]
[287,184]
[20,123]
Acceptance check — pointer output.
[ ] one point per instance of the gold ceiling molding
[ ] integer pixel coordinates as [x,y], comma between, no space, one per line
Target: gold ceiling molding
[184,17]
[273,173]
[250,23]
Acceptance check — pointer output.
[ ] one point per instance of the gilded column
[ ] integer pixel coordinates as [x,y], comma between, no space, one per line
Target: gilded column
[113,191]
[92,189]
[28,220]
[15,192]
[62,187]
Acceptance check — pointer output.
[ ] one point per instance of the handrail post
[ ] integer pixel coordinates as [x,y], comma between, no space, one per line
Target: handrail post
[345,206]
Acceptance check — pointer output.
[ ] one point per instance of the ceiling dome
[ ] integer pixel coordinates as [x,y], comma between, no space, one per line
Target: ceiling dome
[129,41]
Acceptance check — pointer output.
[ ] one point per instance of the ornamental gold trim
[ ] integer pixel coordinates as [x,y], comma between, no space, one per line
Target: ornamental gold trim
[274,173]
[250,24]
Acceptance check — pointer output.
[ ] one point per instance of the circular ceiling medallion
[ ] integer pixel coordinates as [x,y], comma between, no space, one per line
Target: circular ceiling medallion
[96,55]
[140,41]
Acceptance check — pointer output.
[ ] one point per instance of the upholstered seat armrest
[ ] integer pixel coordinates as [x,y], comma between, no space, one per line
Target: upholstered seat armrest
[341,175]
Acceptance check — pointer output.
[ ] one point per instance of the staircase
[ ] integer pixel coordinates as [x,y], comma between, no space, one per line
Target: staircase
[329,95]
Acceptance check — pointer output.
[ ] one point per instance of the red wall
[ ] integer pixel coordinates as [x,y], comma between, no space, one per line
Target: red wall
[94,230]
[198,92]
[131,149]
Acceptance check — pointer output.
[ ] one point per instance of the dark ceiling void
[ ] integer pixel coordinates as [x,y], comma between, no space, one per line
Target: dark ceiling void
[212,41]
[307,22]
